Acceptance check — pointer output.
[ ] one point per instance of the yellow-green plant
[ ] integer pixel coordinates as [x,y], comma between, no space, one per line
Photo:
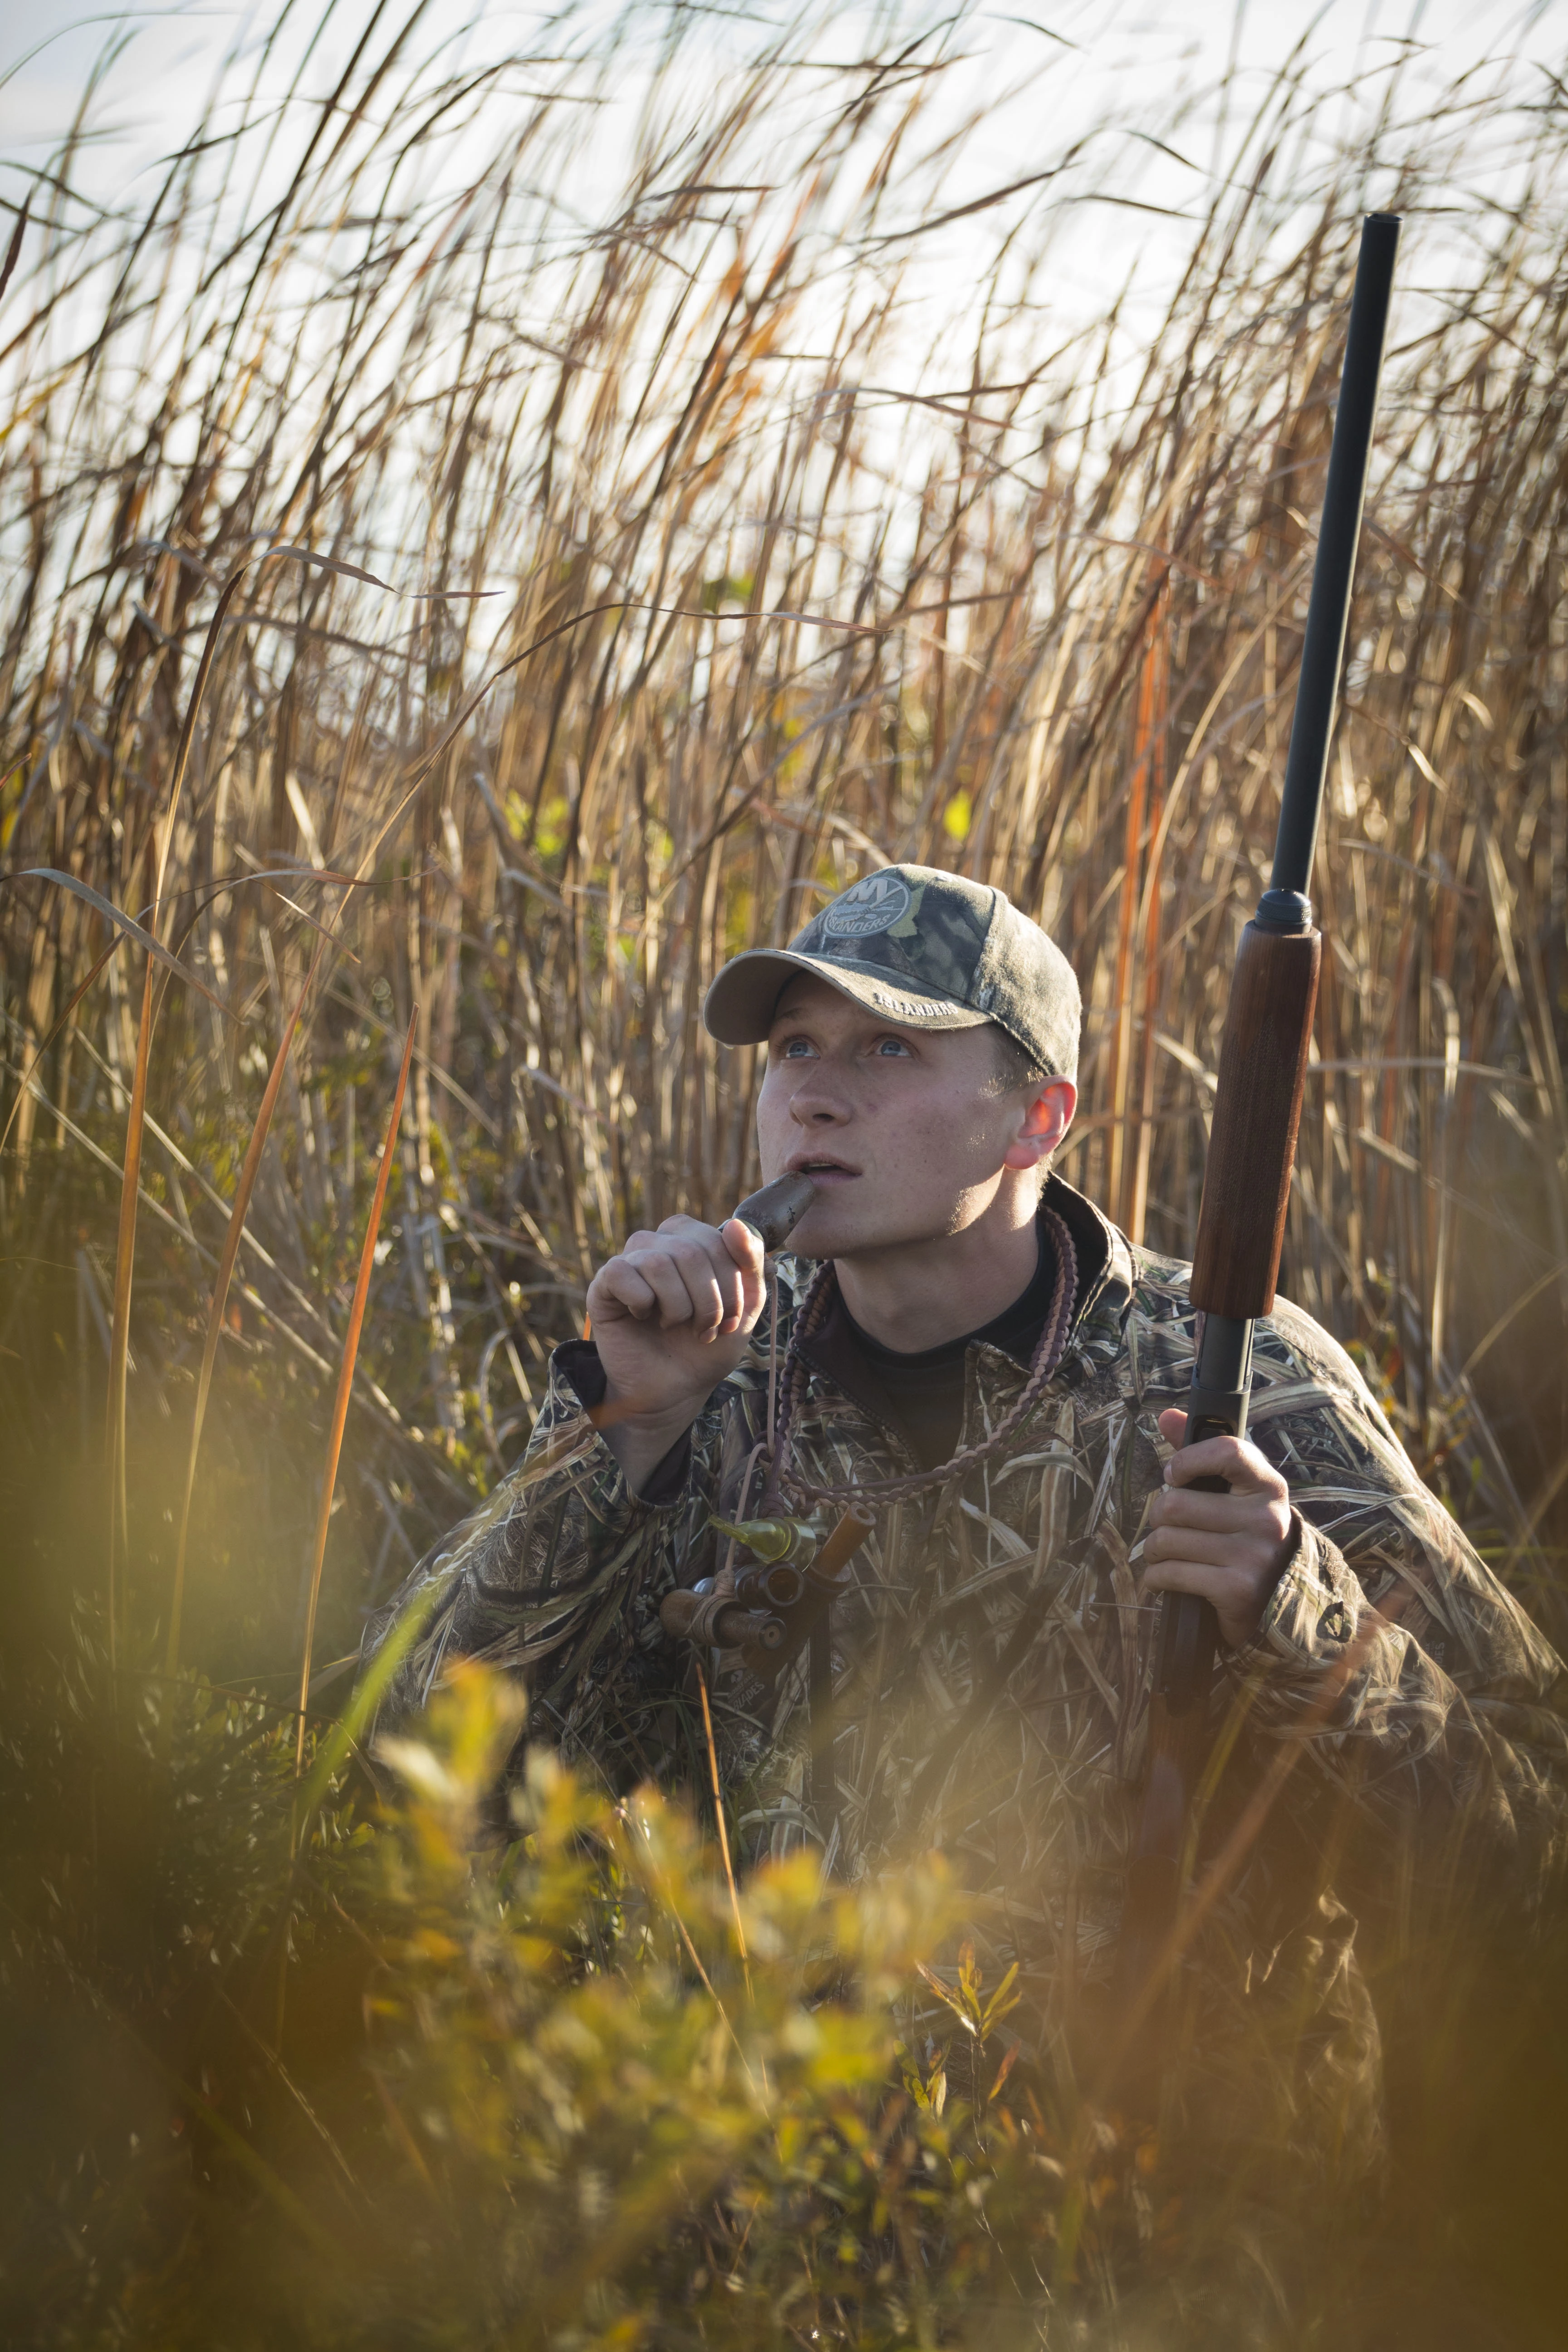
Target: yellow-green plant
[528,2089]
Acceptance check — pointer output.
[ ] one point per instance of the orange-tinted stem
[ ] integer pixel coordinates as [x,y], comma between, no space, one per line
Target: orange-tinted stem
[345,1385]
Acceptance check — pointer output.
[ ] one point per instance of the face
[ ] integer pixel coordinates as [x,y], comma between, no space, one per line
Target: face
[907,1132]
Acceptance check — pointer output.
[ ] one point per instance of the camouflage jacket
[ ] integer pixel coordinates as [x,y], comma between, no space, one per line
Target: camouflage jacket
[1417,1693]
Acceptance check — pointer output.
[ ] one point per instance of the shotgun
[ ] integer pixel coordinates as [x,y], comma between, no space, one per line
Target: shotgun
[1252,1148]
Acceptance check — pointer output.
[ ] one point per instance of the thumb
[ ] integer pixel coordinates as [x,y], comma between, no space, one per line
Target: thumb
[744,1244]
[1174,1425]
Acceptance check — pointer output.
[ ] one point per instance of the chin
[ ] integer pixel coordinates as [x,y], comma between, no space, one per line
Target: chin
[813,1237]
[832,1228]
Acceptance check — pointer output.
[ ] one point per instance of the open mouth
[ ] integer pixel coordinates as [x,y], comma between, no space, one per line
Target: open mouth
[821,1169]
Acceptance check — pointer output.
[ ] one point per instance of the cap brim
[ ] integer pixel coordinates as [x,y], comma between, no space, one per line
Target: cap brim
[739,1008]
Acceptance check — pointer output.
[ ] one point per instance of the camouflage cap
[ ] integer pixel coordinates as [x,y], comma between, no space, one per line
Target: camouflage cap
[931,951]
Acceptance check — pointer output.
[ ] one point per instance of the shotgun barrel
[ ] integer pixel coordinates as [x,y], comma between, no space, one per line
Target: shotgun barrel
[1252,1149]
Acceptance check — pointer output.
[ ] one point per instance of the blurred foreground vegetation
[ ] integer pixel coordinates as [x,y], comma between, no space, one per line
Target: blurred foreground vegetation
[764,522]
[286,2063]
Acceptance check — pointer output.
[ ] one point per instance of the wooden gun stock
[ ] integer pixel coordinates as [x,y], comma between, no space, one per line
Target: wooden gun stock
[1257,1108]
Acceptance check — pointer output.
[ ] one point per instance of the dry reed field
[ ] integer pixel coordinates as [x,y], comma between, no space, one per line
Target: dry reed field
[483,545]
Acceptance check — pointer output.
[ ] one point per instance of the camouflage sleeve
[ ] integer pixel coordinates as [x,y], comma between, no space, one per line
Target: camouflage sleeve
[1428,1697]
[559,1559]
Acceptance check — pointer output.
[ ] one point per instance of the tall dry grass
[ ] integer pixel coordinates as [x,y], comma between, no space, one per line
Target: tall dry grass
[706,625]
[701,514]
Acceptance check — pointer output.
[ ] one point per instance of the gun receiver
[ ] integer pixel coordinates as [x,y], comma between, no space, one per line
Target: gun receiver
[1252,1149]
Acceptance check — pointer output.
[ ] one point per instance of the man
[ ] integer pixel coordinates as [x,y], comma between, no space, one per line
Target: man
[962,1340]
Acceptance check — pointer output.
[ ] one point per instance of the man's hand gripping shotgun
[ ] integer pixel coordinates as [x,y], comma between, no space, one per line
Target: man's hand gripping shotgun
[780,1595]
[1252,1149]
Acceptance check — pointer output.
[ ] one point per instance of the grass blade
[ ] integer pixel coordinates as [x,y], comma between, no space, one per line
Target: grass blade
[242,1193]
[345,1382]
[36,1063]
[14,250]
[119,1335]
[135,1122]
[369,1692]
[125,1254]
[127,923]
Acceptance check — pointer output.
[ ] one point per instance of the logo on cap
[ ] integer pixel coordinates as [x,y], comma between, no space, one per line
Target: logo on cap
[871,906]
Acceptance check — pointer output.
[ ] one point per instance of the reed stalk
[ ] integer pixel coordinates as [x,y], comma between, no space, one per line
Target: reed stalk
[345,1384]
[221,1282]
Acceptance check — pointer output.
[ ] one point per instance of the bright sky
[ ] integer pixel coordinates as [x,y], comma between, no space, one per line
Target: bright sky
[1134,54]
[1066,64]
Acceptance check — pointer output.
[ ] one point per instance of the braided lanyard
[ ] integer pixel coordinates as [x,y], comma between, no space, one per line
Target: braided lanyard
[808,1321]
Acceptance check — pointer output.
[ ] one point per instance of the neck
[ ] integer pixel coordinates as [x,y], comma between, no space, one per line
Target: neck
[916,1294]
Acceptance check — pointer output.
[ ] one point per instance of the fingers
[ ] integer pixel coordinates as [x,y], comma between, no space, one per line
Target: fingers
[683,1280]
[1250,1551]
[618,1292]
[687,1275]
[1236,1575]
[1227,1548]
[744,1244]
[686,1282]
[1245,1470]
[1201,1577]
[1237,1597]
[1174,1425]
[1236,1529]
[1193,1510]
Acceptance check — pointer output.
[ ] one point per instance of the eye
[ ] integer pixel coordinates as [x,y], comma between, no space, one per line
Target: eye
[796,1049]
[892,1049]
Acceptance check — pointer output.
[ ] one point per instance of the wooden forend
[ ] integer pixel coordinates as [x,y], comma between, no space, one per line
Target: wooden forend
[1252,1148]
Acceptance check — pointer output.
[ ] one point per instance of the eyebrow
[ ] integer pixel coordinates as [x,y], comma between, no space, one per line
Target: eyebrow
[882,1028]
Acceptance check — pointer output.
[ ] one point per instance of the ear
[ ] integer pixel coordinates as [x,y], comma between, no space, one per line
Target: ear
[1045,1119]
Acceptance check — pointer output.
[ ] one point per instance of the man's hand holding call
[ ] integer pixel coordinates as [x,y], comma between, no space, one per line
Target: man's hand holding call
[671,1315]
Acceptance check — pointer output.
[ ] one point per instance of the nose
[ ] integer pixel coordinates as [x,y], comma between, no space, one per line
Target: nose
[818,1100]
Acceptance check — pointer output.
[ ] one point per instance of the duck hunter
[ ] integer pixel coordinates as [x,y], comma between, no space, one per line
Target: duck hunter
[961,1343]
[920,1498]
